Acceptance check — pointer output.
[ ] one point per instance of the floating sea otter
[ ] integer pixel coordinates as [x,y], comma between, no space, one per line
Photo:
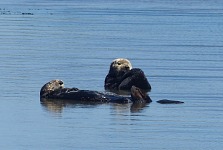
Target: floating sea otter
[121,77]
[55,90]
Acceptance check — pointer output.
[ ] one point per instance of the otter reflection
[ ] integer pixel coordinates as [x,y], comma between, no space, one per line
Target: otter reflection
[58,105]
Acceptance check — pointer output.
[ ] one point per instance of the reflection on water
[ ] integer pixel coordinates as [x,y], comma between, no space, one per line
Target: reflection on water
[56,106]
[178,45]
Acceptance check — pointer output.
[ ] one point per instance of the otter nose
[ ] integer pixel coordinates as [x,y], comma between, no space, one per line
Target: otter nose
[127,67]
[61,82]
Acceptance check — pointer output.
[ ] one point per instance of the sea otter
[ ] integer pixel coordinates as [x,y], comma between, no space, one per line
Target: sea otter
[55,90]
[121,77]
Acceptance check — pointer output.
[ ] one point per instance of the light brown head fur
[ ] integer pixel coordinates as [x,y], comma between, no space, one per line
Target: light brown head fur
[50,87]
[120,66]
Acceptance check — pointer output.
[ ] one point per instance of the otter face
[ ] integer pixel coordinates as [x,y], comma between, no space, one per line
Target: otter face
[120,66]
[50,87]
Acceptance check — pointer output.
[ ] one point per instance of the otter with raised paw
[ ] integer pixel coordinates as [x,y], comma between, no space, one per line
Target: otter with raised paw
[121,77]
[55,90]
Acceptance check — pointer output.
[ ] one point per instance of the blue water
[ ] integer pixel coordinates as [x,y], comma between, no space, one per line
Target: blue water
[178,44]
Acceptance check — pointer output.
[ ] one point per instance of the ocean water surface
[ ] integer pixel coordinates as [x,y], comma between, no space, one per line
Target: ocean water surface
[178,45]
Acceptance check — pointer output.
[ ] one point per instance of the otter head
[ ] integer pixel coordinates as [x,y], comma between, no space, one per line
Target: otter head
[139,96]
[120,66]
[50,87]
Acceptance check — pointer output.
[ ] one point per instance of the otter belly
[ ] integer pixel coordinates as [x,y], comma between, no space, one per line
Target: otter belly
[84,95]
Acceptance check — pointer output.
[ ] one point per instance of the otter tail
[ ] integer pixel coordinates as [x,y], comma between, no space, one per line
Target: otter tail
[166,101]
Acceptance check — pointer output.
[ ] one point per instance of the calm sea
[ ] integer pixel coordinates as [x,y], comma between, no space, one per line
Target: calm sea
[178,44]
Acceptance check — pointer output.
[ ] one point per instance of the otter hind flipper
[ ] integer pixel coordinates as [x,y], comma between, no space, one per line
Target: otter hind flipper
[139,96]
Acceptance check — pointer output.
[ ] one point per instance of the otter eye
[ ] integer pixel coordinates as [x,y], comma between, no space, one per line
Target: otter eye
[118,63]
